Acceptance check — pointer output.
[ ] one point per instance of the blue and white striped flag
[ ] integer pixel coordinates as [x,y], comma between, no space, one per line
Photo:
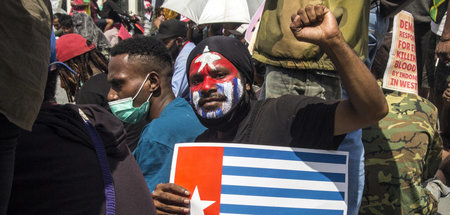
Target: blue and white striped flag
[255,179]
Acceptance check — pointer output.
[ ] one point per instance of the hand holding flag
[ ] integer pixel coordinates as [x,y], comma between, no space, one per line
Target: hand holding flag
[253,179]
[171,198]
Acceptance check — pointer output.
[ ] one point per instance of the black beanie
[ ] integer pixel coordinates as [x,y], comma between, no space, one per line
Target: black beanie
[232,49]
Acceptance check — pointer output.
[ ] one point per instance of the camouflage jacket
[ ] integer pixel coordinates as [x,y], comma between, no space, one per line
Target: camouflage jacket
[402,151]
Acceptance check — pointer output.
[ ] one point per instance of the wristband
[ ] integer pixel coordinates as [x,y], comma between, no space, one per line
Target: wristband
[444,40]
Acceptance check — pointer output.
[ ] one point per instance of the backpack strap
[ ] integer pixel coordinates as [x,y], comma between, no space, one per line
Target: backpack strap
[110,196]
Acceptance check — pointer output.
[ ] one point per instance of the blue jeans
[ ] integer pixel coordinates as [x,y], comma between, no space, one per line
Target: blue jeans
[352,144]
[378,27]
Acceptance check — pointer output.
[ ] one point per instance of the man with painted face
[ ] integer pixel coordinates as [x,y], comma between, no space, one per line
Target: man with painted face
[220,79]
[140,72]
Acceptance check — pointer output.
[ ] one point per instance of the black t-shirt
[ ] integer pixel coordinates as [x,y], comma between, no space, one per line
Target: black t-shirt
[94,91]
[294,121]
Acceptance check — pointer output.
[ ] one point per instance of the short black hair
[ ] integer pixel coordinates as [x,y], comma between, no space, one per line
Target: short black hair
[57,16]
[155,54]
[66,21]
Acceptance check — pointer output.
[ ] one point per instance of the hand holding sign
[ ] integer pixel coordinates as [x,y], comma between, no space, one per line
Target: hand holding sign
[170,198]
[254,179]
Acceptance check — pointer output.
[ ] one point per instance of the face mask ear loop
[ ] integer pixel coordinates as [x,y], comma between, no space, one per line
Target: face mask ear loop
[149,96]
[142,85]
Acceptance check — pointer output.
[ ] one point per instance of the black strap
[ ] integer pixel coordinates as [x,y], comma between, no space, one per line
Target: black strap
[110,196]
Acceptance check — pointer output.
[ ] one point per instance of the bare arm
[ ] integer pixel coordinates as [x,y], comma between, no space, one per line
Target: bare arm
[366,103]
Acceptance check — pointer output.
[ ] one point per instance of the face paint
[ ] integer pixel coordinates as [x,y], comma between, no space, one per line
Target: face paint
[214,82]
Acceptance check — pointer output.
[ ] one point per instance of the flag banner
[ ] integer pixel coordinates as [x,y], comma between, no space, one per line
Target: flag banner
[229,178]
[401,69]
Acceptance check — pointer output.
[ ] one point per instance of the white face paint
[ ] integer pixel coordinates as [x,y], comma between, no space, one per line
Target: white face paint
[207,58]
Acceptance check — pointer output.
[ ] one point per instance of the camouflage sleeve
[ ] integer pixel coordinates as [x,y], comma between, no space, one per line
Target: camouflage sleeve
[434,154]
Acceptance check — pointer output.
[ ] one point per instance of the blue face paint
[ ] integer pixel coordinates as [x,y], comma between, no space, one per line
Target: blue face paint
[236,91]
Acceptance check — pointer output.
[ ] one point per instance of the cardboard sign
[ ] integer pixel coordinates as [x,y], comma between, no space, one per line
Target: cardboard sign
[253,27]
[401,69]
[253,179]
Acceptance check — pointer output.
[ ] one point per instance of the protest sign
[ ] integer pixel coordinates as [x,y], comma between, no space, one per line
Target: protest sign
[254,179]
[401,69]
[253,27]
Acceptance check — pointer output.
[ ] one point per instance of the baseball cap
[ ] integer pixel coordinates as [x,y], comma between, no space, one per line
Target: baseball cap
[69,46]
[171,28]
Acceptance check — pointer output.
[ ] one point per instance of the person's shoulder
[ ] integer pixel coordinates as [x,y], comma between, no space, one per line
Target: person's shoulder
[177,123]
[184,53]
[189,46]
[178,106]
[178,115]
[407,106]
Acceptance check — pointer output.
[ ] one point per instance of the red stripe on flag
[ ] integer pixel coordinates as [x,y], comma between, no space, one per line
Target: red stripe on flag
[201,167]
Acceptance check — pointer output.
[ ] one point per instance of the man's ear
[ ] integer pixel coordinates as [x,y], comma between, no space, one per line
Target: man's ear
[155,81]
[179,41]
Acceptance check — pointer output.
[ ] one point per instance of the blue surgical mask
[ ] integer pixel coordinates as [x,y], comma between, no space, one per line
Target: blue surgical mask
[126,112]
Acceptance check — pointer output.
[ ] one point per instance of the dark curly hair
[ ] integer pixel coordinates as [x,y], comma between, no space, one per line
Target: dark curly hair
[65,20]
[80,64]
[148,51]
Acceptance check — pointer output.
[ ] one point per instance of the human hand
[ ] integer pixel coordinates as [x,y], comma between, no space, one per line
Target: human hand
[442,51]
[446,94]
[170,198]
[443,172]
[315,24]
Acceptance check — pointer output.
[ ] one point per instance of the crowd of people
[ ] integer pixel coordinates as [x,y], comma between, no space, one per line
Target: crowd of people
[312,80]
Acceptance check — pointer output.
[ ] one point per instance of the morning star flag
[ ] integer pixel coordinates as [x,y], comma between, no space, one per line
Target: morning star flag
[254,179]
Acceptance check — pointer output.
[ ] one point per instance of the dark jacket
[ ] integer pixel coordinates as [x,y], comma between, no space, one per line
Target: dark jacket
[57,171]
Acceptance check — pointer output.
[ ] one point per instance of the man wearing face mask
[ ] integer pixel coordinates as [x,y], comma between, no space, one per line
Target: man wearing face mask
[173,33]
[140,72]
[220,77]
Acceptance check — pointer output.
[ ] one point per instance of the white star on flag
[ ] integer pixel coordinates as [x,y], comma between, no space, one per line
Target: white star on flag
[207,58]
[197,205]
